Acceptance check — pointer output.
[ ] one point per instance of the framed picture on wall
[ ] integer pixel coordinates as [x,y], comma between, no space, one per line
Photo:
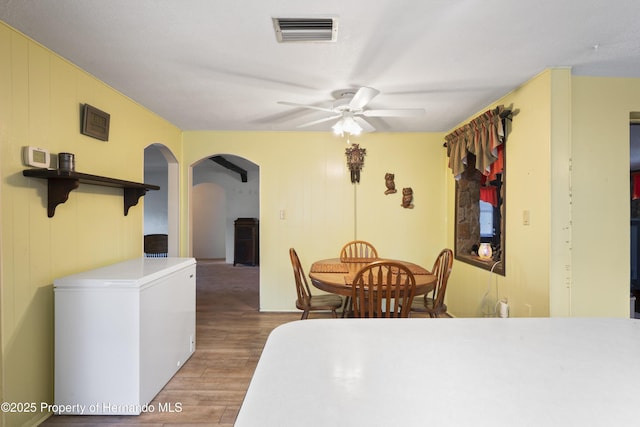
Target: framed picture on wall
[95,123]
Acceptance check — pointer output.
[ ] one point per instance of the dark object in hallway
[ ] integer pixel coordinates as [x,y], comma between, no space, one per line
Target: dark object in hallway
[246,242]
[156,245]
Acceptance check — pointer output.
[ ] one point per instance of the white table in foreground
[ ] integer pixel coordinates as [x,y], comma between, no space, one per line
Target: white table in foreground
[447,372]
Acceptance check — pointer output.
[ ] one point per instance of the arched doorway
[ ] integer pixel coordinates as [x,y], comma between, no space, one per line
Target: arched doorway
[162,207]
[224,187]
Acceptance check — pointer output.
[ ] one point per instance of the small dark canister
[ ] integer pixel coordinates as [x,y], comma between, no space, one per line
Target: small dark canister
[66,162]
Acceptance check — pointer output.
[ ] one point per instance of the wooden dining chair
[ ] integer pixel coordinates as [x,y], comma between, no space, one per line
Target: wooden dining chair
[305,301]
[358,251]
[383,289]
[433,303]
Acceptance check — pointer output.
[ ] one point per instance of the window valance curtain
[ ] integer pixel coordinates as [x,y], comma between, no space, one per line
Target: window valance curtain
[484,137]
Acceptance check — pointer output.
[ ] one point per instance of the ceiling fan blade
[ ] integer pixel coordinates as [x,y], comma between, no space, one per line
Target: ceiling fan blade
[363,96]
[365,125]
[400,112]
[315,122]
[311,107]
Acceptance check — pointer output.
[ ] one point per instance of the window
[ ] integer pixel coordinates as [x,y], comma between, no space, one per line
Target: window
[477,159]
[479,221]
[486,221]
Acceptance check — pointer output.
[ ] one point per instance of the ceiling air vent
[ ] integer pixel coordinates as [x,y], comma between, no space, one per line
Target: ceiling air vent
[306,29]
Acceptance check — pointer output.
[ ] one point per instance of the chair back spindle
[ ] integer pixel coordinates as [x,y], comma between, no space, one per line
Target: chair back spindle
[442,270]
[383,289]
[302,286]
[358,251]
[433,303]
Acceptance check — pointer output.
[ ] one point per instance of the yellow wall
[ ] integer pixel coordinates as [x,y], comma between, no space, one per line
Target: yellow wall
[41,97]
[527,188]
[567,164]
[601,212]
[305,175]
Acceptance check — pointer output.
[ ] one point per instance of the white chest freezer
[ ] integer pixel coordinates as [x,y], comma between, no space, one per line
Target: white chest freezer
[121,333]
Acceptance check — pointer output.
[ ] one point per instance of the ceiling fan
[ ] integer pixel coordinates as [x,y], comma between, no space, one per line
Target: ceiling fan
[349,109]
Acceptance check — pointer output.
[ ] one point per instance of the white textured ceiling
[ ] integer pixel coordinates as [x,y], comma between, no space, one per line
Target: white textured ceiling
[216,64]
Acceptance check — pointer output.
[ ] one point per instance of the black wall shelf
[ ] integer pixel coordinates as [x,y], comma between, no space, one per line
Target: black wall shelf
[61,183]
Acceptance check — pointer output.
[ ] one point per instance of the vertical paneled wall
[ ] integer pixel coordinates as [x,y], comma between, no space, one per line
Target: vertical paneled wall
[40,106]
[305,175]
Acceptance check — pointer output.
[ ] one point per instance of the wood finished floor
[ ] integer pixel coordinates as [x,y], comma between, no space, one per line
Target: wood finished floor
[230,335]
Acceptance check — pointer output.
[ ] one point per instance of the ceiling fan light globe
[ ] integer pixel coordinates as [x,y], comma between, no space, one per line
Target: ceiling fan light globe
[337,128]
[350,126]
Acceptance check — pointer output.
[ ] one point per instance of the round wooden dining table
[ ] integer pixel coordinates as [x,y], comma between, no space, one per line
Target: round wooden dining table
[334,276]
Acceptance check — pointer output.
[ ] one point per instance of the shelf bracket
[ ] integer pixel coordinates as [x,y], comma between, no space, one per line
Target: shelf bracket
[58,192]
[131,197]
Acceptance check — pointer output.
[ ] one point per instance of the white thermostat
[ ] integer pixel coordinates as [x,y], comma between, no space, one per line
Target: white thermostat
[36,157]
